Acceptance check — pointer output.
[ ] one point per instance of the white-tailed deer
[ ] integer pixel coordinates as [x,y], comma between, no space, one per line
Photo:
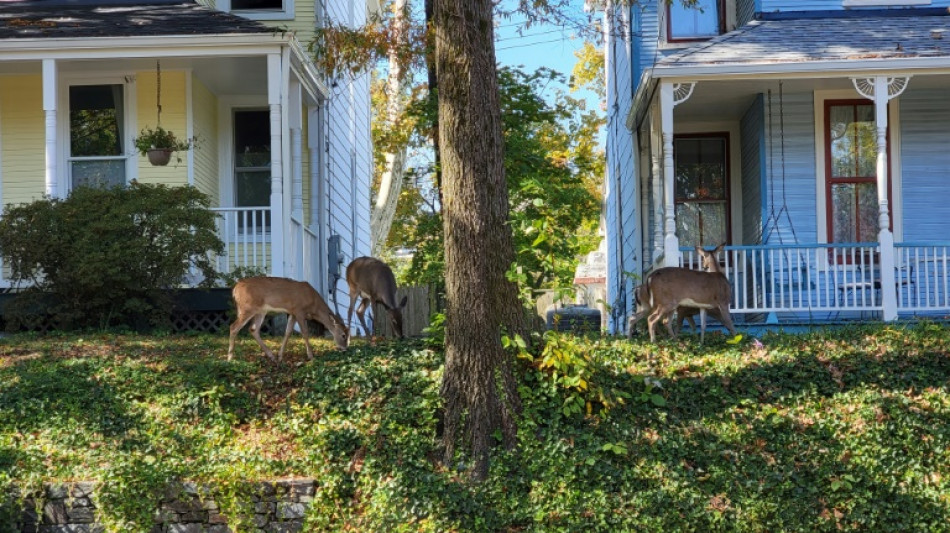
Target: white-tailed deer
[670,288]
[371,280]
[255,297]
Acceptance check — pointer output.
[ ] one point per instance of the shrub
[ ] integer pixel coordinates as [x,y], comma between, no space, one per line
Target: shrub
[103,257]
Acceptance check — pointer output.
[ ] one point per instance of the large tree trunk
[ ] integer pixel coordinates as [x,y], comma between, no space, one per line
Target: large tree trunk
[390,185]
[478,243]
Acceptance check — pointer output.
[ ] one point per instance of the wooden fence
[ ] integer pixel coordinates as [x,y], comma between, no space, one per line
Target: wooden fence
[421,304]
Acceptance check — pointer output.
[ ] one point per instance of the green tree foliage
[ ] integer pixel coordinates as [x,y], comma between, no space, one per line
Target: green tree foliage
[554,169]
[103,257]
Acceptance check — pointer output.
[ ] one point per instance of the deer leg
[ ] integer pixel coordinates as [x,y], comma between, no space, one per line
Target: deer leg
[290,327]
[702,325]
[360,312]
[726,320]
[305,332]
[237,326]
[354,295]
[256,333]
[651,323]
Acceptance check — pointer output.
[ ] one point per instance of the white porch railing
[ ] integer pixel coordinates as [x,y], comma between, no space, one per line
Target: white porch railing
[832,281]
[246,235]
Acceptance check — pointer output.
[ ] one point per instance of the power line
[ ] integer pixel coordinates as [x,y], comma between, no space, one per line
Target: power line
[529,44]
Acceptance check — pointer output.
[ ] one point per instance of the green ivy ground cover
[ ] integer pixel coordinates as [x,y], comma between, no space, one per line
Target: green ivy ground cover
[838,430]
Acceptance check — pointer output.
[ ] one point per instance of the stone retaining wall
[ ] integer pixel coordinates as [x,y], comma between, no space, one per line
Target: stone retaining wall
[269,507]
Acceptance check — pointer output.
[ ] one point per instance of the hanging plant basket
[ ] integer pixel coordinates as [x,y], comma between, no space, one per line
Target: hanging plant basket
[159,156]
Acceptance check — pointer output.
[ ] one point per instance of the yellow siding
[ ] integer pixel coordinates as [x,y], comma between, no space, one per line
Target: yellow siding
[174,119]
[205,110]
[22,138]
[302,25]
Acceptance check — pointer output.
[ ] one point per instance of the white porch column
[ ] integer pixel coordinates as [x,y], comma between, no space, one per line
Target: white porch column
[317,193]
[882,89]
[49,108]
[274,88]
[656,154]
[296,151]
[671,94]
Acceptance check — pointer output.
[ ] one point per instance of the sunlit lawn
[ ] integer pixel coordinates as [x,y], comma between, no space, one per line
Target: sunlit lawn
[834,430]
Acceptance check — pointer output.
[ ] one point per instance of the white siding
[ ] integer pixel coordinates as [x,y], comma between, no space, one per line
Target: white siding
[925,158]
[620,194]
[349,166]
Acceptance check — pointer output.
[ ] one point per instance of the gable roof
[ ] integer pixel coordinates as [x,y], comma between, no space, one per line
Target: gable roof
[118,18]
[848,37]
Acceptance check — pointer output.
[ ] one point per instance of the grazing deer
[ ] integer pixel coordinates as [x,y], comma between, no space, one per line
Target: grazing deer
[372,281]
[255,297]
[641,298]
[671,288]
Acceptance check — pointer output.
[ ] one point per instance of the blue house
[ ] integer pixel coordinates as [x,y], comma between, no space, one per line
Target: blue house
[810,136]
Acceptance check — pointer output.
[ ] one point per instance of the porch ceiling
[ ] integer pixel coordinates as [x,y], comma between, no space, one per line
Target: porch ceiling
[728,100]
[224,76]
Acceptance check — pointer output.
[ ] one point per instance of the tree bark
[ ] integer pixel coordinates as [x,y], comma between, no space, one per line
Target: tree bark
[478,387]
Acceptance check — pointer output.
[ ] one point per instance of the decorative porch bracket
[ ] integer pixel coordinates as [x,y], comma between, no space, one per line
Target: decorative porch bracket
[881,90]
[671,95]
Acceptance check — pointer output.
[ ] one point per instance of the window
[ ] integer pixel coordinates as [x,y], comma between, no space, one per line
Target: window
[702,21]
[252,166]
[851,168]
[273,5]
[96,133]
[259,9]
[702,188]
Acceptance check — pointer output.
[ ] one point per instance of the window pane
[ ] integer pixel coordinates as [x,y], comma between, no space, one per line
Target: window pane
[253,189]
[701,223]
[855,212]
[257,4]
[252,139]
[700,169]
[98,173]
[702,20]
[95,120]
[853,141]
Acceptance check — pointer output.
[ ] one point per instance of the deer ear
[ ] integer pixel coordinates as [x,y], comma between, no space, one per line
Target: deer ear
[699,249]
[720,247]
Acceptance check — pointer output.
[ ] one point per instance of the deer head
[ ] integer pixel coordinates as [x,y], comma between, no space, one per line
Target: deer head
[371,280]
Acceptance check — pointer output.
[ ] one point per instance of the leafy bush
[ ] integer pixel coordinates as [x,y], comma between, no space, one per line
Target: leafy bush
[103,257]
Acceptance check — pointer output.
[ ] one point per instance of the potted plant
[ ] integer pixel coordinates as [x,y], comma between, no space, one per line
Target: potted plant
[159,143]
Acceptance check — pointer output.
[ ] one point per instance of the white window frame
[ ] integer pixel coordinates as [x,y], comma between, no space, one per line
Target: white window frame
[287,13]
[894,162]
[62,121]
[226,181]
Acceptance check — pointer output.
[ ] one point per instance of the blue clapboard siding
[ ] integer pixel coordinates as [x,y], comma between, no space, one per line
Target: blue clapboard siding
[752,133]
[620,192]
[797,182]
[769,6]
[646,32]
[925,161]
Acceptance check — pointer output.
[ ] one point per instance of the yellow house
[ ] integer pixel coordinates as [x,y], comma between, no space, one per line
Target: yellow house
[285,156]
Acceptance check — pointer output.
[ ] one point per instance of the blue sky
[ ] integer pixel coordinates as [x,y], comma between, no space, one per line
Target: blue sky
[541,46]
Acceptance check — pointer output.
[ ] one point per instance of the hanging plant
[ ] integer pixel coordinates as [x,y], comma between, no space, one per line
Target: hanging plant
[158,143]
